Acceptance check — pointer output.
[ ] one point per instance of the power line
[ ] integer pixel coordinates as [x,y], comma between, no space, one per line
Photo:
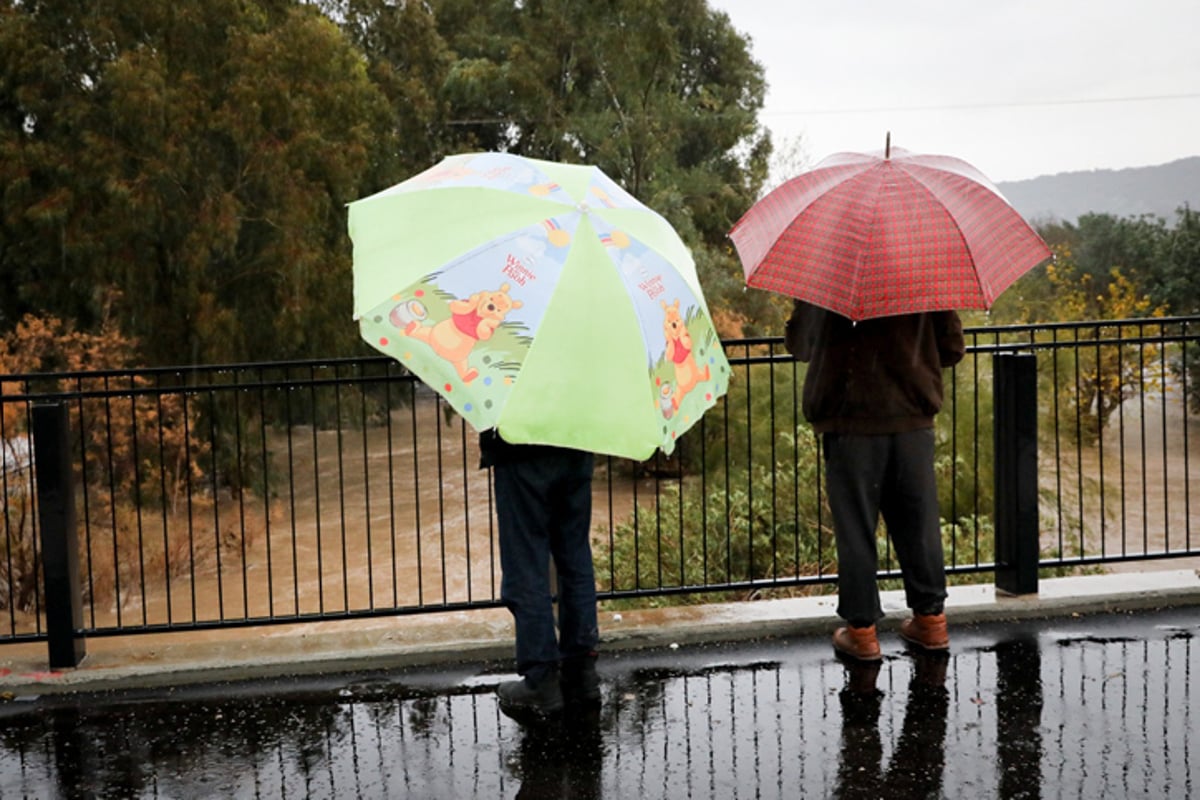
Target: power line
[976,106]
[507,120]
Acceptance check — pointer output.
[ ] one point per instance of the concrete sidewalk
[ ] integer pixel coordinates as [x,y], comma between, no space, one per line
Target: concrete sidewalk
[174,659]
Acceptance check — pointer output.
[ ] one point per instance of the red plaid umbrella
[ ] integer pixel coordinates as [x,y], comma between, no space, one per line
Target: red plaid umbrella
[874,234]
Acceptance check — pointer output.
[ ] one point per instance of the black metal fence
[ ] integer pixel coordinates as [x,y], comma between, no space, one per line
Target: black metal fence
[251,494]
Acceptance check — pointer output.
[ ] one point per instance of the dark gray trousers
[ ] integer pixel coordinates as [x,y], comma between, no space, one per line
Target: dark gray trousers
[892,475]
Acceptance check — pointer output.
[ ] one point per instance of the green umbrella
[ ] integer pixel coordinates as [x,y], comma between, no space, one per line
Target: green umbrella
[540,299]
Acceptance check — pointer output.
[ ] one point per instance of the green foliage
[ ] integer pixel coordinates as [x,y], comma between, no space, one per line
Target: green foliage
[662,96]
[1174,282]
[1095,381]
[964,462]
[1155,262]
[1031,298]
[760,410]
[408,61]
[761,515]
[1173,279]
[967,541]
[762,527]
[737,311]
[1107,268]
[196,154]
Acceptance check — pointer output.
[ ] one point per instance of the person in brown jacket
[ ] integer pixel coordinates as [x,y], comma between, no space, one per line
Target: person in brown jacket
[871,392]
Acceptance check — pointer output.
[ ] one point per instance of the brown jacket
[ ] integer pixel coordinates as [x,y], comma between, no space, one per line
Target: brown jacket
[881,375]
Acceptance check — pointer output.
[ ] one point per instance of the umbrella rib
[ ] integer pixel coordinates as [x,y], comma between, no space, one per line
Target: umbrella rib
[535,297]
[1017,238]
[921,233]
[983,290]
[861,255]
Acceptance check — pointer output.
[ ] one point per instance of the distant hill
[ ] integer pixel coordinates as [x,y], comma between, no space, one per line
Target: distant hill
[1129,192]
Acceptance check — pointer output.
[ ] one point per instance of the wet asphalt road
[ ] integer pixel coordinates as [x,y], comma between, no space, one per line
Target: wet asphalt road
[1088,707]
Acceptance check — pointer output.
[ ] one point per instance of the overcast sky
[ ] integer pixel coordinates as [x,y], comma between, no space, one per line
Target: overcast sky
[1019,88]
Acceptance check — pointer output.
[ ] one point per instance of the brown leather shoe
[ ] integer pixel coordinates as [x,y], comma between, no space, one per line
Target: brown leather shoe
[857,643]
[927,631]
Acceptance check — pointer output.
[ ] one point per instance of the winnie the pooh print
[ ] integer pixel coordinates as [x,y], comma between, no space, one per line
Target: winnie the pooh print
[471,321]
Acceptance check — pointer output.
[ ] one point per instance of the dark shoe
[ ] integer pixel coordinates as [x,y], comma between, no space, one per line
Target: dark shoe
[524,697]
[579,681]
[857,643]
[927,631]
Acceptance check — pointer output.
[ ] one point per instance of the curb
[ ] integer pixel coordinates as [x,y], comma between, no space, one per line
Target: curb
[167,660]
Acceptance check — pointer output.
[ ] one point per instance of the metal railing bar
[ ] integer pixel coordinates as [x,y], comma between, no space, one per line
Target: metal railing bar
[1097,457]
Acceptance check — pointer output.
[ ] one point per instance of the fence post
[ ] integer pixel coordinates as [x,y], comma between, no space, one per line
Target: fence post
[1016,479]
[60,549]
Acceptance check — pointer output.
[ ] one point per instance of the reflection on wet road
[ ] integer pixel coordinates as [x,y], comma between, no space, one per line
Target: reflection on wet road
[1090,707]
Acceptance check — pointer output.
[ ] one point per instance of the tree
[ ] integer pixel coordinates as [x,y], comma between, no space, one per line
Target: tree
[1103,377]
[1174,276]
[1175,281]
[1127,243]
[139,451]
[1159,272]
[661,96]
[196,154]
[116,457]
[408,61]
[1087,252]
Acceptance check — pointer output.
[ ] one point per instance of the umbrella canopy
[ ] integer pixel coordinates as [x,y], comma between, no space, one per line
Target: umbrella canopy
[540,299]
[875,234]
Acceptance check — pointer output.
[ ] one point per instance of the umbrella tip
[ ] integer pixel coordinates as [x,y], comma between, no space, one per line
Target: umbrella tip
[887,146]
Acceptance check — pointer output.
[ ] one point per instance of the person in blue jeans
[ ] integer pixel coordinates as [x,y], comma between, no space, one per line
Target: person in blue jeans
[544,512]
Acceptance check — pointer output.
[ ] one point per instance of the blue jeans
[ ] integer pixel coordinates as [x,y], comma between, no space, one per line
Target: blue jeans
[890,475]
[544,509]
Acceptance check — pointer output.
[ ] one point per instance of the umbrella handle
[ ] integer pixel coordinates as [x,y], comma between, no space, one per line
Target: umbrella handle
[887,146]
